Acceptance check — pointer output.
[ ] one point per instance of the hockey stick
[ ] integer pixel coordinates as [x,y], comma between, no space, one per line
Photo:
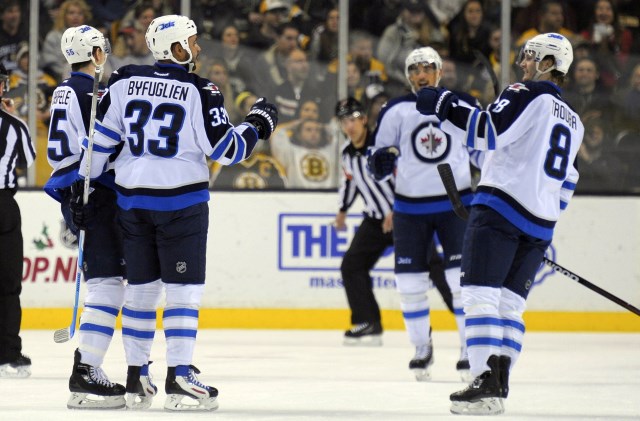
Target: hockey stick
[485,63]
[66,333]
[458,207]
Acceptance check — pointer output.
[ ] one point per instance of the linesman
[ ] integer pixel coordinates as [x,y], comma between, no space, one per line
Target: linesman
[16,148]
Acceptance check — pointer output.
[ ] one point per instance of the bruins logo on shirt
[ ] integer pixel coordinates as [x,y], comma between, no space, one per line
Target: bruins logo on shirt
[430,143]
[249,180]
[315,167]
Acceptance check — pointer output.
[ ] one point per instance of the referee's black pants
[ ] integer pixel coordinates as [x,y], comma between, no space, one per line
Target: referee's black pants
[367,246]
[11,255]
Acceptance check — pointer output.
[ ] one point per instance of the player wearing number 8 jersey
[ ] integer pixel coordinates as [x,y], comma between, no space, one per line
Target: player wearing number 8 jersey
[528,177]
[168,121]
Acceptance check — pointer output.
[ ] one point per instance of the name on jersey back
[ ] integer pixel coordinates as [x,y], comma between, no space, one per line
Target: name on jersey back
[157,88]
[563,112]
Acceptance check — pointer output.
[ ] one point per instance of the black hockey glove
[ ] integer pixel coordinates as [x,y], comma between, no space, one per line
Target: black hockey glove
[264,117]
[435,101]
[82,215]
[382,162]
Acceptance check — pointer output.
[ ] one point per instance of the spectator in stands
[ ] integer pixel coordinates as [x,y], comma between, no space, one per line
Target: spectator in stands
[13,32]
[269,69]
[374,106]
[244,101]
[274,15]
[446,10]
[585,94]
[297,87]
[550,19]
[324,39]
[143,13]
[216,72]
[361,53]
[610,43]
[308,157]
[468,34]
[107,11]
[600,169]
[137,50]
[629,101]
[235,56]
[449,76]
[72,13]
[398,40]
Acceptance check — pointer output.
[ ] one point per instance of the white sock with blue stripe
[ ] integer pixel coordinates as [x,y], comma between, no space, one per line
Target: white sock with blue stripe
[180,322]
[453,280]
[483,325]
[512,307]
[98,320]
[414,304]
[139,321]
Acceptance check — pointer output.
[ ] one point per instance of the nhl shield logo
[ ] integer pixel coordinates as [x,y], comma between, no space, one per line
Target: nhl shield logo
[181,267]
[430,143]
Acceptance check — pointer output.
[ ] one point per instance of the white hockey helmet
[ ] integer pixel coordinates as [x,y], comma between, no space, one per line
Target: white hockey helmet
[422,55]
[164,31]
[550,44]
[77,44]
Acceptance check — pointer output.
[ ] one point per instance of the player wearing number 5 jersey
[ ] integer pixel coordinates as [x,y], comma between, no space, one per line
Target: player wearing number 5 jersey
[528,178]
[85,47]
[168,121]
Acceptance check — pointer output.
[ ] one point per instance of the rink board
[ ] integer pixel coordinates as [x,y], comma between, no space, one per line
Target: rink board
[273,262]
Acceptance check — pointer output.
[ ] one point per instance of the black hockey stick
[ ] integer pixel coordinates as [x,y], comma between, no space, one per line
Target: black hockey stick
[494,78]
[458,207]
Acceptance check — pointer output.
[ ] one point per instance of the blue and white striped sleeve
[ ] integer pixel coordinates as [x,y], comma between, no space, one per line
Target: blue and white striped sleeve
[568,187]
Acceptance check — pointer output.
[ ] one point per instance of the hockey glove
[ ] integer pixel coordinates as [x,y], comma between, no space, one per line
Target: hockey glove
[382,162]
[82,215]
[435,101]
[264,117]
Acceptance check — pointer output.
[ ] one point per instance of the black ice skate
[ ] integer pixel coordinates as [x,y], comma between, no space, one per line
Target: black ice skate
[182,382]
[422,362]
[140,387]
[484,395]
[364,334]
[87,380]
[17,368]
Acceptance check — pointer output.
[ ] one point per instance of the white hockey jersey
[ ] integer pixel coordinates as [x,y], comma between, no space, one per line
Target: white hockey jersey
[423,145]
[534,136]
[69,124]
[169,122]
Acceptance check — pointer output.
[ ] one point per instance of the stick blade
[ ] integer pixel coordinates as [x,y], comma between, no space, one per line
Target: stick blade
[62,335]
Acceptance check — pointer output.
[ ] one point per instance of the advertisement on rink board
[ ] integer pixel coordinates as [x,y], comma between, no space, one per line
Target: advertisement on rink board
[280,250]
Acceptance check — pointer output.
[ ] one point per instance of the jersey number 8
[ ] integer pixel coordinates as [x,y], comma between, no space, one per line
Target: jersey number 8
[557,160]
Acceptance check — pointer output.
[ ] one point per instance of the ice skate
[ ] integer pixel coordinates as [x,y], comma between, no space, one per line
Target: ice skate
[422,362]
[140,387]
[18,368]
[463,367]
[91,389]
[364,334]
[182,382]
[483,396]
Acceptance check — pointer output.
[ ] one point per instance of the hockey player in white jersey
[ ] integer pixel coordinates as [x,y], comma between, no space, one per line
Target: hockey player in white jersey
[84,47]
[168,121]
[528,177]
[421,208]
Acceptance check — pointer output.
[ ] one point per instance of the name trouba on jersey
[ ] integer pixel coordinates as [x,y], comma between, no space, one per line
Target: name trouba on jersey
[563,112]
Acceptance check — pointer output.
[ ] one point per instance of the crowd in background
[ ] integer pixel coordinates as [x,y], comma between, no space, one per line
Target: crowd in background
[288,51]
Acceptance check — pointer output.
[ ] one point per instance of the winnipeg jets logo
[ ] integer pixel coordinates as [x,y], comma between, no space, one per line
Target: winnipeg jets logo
[517,87]
[211,87]
[430,143]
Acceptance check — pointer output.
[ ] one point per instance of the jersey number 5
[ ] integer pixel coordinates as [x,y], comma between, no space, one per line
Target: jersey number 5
[557,160]
[167,145]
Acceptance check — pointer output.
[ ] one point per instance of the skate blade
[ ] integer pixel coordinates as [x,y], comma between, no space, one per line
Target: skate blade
[88,401]
[369,340]
[8,372]
[422,374]
[174,403]
[135,402]
[485,406]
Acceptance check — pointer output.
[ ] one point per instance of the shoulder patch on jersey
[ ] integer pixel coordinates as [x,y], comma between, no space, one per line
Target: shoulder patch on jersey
[517,87]
[212,88]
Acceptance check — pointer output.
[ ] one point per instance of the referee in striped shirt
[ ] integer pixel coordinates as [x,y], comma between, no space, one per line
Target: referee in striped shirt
[15,147]
[374,234]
